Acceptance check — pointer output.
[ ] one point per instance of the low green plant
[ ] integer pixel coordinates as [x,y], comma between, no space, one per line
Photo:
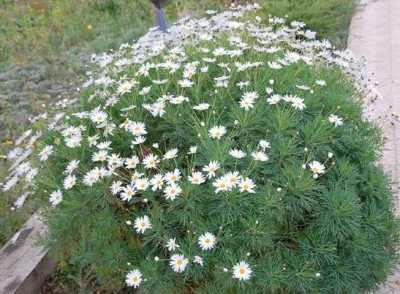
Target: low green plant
[227,156]
[330,18]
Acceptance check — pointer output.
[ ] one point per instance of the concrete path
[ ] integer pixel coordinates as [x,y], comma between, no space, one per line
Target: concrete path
[375,34]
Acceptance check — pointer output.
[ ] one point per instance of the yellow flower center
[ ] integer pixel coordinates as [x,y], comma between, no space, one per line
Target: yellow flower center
[208,241]
[179,262]
[242,271]
[245,187]
[143,224]
[135,279]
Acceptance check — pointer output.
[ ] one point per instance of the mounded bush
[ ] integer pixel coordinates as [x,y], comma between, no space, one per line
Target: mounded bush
[227,156]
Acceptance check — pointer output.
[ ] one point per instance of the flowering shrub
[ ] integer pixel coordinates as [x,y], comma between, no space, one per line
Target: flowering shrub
[227,156]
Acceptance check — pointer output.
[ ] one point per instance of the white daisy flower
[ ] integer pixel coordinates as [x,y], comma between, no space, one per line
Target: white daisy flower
[172,177]
[246,103]
[90,178]
[72,165]
[136,175]
[217,132]
[127,193]
[320,83]
[202,106]
[178,262]
[137,128]
[133,278]
[303,87]
[158,109]
[292,57]
[219,51]
[274,99]
[269,90]
[151,161]
[317,167]
[115,160]
[221,184]
[250,95]
[142,184]
[207,241]
[198,259]
[246,185]
[144,91]
[157,182]
[172,153]
[192,150]
[126,124]
[242,271]
[69,182]
[178,100]
[259,156]
[171,245]
[171,191]
[211,168]
[274,65]
[243,84]
[124,87]
[98,116]
[100,156]
[138,140]
[46,152]
[264,144]
[132,162]
[185,83]
[196,178]
[104,145]
[337,121]
[233,178]
[56,197]
[142,224]
[298,103]
[116,187]
[237,153]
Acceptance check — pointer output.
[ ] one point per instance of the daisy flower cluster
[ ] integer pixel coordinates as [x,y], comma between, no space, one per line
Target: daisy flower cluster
[204,144]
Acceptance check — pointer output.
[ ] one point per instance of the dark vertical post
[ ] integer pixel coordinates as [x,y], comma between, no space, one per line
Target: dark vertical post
[161,20]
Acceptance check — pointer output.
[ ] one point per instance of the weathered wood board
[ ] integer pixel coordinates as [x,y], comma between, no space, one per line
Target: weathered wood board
[23,265]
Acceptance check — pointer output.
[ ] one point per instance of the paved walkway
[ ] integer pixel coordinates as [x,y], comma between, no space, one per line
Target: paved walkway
[375,34]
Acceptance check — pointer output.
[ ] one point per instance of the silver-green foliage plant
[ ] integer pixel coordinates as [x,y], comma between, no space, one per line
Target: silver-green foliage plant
[227,156]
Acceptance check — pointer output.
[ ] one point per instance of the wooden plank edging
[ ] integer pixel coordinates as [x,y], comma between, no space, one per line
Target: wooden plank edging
[23,265]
